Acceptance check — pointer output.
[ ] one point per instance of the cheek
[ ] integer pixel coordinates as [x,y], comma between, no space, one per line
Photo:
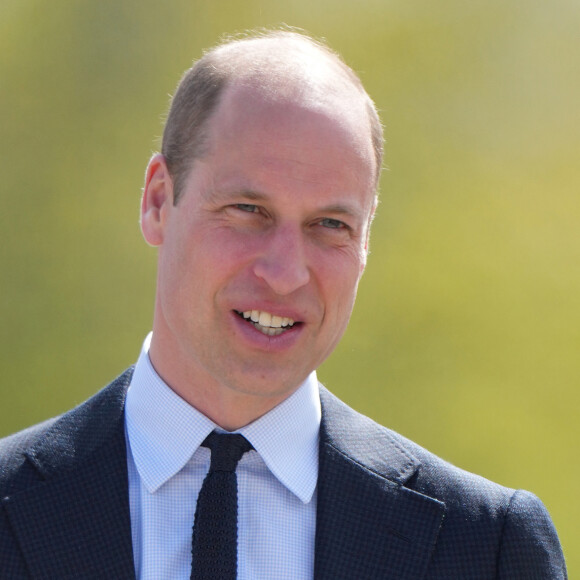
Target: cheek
[183,273]
[342,266]
[228,244]
[214,263]
[338,283]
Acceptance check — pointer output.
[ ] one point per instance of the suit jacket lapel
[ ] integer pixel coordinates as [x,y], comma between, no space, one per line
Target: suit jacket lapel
[73,518]
[74,521]
[369,525]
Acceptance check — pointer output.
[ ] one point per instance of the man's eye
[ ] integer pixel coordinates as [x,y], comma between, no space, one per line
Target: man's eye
[250,208]
[332,223]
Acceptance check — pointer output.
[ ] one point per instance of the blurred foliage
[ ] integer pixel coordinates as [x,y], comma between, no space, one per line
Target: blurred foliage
[466,333]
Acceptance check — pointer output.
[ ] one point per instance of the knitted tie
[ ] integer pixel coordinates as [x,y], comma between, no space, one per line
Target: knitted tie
[215,528]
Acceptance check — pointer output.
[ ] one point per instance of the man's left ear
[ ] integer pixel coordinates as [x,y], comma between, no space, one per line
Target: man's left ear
[157,200]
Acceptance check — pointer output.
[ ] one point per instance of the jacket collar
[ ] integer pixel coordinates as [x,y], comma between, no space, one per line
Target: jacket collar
[369,525]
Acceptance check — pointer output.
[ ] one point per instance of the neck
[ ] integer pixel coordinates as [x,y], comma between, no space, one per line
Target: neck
[226,406]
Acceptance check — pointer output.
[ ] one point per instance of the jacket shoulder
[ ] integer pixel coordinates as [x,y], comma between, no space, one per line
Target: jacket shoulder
[487,525]
[59,442]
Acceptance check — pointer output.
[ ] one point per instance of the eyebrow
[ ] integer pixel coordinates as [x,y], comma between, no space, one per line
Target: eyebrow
[341,210]
[215,195]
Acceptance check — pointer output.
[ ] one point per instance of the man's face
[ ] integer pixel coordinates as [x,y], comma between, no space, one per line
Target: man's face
[260,260]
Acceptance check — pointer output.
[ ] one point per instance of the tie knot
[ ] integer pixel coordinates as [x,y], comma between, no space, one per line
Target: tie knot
[226,450]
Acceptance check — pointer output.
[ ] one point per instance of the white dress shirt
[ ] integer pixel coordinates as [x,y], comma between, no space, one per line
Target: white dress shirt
[276,482]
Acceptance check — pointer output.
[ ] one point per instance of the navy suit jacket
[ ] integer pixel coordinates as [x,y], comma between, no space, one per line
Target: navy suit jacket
[387,509]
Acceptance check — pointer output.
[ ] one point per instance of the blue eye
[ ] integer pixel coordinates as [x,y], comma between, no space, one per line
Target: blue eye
[250,208]
[332,223]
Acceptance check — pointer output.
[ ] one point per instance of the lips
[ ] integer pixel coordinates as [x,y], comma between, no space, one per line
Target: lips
[266,322]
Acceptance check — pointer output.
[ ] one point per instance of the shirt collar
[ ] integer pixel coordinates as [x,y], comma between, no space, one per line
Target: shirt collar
[164,431]
[286,438]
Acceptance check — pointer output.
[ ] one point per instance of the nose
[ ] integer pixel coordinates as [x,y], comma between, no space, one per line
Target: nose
[282,262]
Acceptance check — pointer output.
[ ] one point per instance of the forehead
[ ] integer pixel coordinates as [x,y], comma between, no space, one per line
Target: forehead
[324,138]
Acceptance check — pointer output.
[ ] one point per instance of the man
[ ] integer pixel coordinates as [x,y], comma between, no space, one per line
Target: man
[260,205]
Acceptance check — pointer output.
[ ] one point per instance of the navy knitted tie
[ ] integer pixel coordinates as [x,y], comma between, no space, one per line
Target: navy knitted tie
[215,528]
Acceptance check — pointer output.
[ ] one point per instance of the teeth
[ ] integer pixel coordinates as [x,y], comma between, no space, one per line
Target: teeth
[270,322]
[265,319]
[271,331]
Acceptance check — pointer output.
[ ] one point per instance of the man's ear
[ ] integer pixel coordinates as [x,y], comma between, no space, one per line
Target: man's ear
[157,200]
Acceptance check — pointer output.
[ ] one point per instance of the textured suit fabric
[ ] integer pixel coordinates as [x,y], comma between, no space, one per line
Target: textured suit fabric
[400,512]
[387,508]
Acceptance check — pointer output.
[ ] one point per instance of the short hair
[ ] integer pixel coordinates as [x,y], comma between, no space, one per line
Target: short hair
[185,137]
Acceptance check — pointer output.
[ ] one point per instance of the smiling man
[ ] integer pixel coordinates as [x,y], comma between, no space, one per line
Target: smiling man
[276,215]
[219,456]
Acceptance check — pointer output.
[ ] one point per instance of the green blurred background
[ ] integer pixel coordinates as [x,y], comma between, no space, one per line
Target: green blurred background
[467,328]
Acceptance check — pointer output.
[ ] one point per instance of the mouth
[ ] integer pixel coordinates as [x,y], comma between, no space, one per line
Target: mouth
[267,323]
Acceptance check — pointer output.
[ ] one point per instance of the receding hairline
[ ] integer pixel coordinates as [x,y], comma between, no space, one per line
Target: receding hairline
[282,63]
[280,59]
